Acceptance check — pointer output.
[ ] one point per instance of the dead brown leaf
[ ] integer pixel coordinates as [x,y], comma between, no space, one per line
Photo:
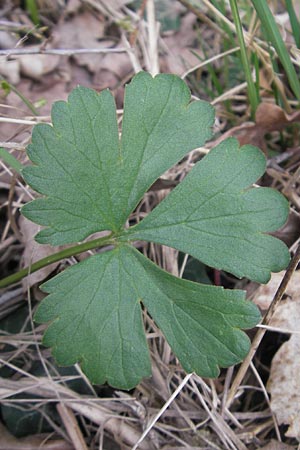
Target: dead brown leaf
[83,30]
[10,69]
[35,66]
[8,39]
[284,385]
[86,30]
[267,291]
[179,56]
[113,68]
[268,118]
[34,251]
[290,231]
[284,380]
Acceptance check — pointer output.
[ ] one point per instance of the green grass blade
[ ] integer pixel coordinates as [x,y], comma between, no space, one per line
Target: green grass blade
[32,9]
[252,93]
[10,160]
[255,63]
[7,87]
[266,17]
[295,24]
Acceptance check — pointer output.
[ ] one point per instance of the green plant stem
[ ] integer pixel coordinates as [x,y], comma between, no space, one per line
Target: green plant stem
[266,17]
[252,93]
[66,253]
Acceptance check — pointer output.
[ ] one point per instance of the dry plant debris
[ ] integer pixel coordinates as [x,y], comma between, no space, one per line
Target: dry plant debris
[284,380]
[268,118]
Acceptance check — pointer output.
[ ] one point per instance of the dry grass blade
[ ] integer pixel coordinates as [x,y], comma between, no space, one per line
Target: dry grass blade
[153,38]
[71,425]
[160,413]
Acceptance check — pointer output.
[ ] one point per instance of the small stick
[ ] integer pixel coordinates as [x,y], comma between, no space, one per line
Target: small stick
[59,51]
[261,331]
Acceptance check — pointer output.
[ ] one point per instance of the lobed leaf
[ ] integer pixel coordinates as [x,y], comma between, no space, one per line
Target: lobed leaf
[214,216]
[90,180]
[95,315]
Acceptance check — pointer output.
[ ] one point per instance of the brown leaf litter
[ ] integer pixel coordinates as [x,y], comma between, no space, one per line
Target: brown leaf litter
[268,118]
[107,69]
[284,380]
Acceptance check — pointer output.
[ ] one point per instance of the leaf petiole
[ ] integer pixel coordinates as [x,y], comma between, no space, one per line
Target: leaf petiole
[58,256]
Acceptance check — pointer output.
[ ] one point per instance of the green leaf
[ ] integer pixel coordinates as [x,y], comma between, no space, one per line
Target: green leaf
[95,314]
[28,420]
[91,180]
[215,217]
[10,160]
[97,320]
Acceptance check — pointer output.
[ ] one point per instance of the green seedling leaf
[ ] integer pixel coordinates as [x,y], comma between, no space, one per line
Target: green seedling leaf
[10,160]
[91,180]
[215,217]
[95,314]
